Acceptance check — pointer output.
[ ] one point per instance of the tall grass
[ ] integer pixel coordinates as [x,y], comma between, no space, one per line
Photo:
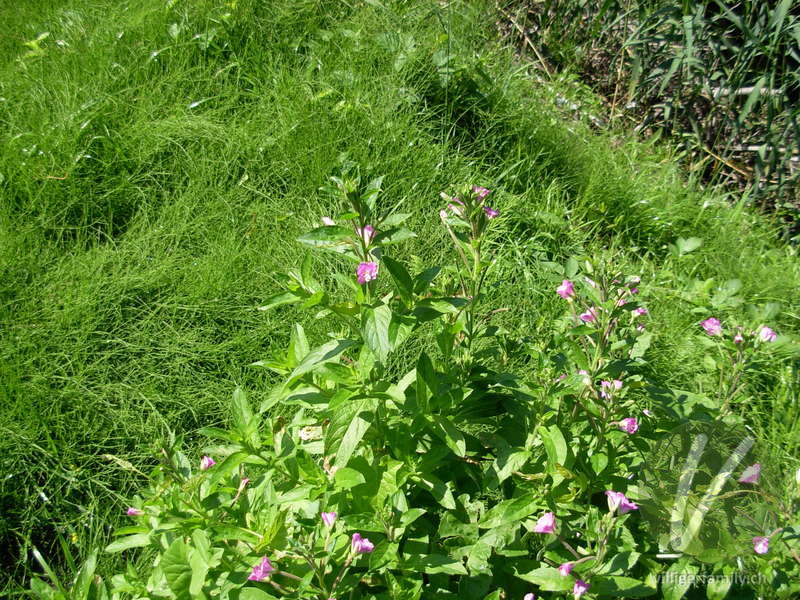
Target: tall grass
[719,77]
[159,159]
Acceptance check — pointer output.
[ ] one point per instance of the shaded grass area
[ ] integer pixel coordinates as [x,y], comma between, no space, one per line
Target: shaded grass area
[157,165]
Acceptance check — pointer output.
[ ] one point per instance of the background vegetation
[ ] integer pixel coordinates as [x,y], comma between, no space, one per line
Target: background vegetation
[158,160]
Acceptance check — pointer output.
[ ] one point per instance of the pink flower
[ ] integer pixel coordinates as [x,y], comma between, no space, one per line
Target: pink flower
[367,271]
[634,290]
[480,192]
[631,425]
[529,596]
[206,463]
[607,388]
[761,544]
[491,213]
[546,523]
[586,379]
[134,512]
[580,588]
[561,377]
[618,500]
[361,545]
[590,316]
[262,570]
[328,221]
[640,327]
[640,312]
[366,234]
[647,412]
[591,282]
[329,518]
[738,338]
[765,334]
[751,474]
[458,207]
[566,289]
[620,302]
[566,568]
[712,326]
[443,214]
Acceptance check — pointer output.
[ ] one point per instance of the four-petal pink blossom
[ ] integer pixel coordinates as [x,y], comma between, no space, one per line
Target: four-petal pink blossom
[580,588]
[712,326]
[566,289]
[765,334]
[329,518]
[134,512]
[566,568]
[761,544]
[491,213]
[590,316]
[262,570]
[546,523]
[366,233]
[751,474]
[480,192]
[206,463]
[367,271]
[361,545]
[631,425]
[618,500]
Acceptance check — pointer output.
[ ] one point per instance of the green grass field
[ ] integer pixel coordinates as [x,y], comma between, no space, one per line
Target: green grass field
[158,160]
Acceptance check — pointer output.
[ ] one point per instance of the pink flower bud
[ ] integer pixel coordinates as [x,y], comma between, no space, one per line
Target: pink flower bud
[367,271]
[640,312]
[761,544]
[361,545]
[491,213]
[480,192]
[580,588]
[206,463]
[566,568]
[134,512]
[751,474]
[590,316]
[546,523]
[366,234]
[529,596]
[328,221]
[765,334]
[618,500]
[631,425]
[262,570]
[712,326]
[566,290]
[329,518]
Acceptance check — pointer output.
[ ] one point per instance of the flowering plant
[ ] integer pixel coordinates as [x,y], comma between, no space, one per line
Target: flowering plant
[451,478]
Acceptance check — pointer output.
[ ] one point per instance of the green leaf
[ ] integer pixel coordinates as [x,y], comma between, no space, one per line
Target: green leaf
[438,489]
[348,426]
[641,345]
[449,434]
[402,279]
[620,587]
[131,541]
[282,298]
[178,572]
[687,245]
[346,478]
[322,354]
[433,563]
[548,579]
[375,329]
[678,579]
[331,237]
[509,511]
[393,236]
[555,445]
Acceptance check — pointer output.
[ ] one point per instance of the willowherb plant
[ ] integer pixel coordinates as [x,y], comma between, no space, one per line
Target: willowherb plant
[453,479]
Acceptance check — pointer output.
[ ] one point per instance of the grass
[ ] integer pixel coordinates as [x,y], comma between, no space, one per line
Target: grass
[159,159]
